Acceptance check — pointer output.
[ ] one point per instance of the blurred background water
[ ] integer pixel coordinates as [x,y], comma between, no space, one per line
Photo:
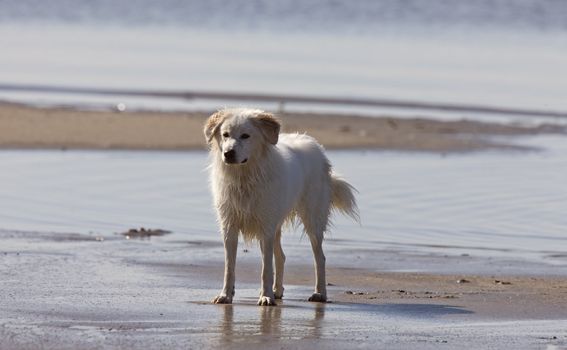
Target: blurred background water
[323,16]
[493,52]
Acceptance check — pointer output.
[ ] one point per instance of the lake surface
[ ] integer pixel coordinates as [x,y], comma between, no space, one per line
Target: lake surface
[501,53]
[501,204]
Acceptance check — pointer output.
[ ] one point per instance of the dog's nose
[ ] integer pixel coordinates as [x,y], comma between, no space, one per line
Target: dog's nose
[229,156]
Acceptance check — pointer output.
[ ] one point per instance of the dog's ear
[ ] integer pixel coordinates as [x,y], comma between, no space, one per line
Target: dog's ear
[212,125]
[269,125]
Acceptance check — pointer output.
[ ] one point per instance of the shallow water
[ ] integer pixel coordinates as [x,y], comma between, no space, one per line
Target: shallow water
[501,204]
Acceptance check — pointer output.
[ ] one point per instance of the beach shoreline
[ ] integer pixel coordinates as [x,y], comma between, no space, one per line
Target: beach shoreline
[27,127]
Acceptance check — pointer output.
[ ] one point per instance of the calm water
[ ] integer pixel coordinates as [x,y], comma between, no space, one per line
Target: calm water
[489,204]
[502,53]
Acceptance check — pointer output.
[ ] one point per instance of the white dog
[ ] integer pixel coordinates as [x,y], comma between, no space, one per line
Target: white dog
[262,179]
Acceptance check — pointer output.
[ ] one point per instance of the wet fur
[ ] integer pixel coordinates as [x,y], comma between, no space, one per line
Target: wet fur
[278,178]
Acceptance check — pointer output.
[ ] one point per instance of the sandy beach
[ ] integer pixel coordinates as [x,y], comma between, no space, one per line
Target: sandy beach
[66,128]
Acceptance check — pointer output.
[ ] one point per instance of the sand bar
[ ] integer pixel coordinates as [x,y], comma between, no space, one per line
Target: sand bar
[68,128]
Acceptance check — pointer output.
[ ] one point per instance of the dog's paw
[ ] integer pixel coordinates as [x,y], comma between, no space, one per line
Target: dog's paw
[318,298]
[267,301]
[278,294]
[222,299]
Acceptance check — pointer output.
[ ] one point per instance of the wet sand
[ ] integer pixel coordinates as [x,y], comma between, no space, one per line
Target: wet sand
[28,127]
[66,291]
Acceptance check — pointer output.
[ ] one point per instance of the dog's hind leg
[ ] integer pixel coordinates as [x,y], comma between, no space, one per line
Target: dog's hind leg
[230,248]
[267,297]
[280,261]
[320,294]
[314,213]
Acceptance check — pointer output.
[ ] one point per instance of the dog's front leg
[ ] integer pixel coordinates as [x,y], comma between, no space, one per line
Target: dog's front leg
[230,248]
[267,294]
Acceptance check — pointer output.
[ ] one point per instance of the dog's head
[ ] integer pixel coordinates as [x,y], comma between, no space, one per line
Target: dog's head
[240,133]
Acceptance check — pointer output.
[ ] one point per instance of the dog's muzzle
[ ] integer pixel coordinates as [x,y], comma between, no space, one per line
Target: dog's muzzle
[230,157]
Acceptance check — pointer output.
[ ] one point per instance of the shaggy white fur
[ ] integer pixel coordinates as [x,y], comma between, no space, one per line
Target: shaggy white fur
[261,180]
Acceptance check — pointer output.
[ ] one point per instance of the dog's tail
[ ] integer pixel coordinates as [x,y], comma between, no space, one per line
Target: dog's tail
[342,197]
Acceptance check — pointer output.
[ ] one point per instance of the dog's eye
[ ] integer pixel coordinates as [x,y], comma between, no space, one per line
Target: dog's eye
[244,136]
[225,134]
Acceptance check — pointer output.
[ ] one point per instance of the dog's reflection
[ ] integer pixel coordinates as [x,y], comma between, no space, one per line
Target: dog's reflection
[273,322]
